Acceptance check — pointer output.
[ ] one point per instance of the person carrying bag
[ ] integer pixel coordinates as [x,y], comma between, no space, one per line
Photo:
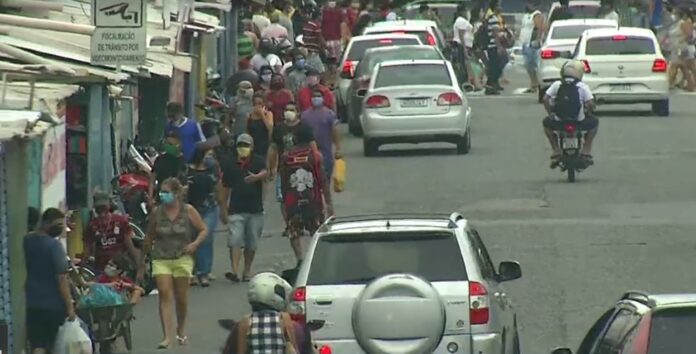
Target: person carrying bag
[72,339]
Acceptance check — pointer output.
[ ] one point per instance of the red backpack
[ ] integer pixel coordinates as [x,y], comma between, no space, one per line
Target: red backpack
[302,181]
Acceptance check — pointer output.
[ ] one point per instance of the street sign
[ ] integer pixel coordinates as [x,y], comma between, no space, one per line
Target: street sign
[120,37]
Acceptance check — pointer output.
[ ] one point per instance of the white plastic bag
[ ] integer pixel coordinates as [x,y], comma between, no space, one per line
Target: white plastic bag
[72,339]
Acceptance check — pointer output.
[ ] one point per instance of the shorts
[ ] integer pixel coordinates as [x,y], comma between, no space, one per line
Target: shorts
[43,325]
[531,57]
[333,49]
[245,230]
[329,169]
[181,267]
[589,123]
[279,191]
[306,219]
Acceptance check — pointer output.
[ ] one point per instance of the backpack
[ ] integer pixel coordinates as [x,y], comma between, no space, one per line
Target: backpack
[481,36]
[567,104]
[302,182]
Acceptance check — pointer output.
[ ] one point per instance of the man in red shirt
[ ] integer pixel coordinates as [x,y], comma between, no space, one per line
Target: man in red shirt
[304,94]
[107,234]
[331,21]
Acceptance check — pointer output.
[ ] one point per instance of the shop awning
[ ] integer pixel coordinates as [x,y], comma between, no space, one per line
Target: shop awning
[18,123]
[45,99]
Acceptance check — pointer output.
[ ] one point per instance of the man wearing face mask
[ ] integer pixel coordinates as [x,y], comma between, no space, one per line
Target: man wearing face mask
[241,107]
[332,20]
[189,130]
[284,137]
[296,74]
[170,164]
[304,95]
[245,73]
[107,234]
[243,186]
[47,285]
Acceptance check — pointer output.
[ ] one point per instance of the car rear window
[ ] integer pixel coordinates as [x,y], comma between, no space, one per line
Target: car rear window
[426,53]
[360,258]
[413,74]
[672,331]
[357,50]
[572,32]
[583,11]
[422,34]
[621,45]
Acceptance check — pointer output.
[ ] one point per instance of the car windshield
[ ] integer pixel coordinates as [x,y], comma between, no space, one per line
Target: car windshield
[413,74]
[572,32]
[672,331]
[370,62]
[620,46]
[358,48]
[360,258]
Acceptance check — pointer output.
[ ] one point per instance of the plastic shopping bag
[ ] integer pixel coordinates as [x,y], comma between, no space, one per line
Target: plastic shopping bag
[72,339]
[339,175]
[101,295]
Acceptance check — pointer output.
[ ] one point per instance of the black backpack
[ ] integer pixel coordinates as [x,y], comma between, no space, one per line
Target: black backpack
[567,104]
[481,36]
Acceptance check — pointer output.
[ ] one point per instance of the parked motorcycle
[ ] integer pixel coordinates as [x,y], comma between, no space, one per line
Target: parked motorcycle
[571,140]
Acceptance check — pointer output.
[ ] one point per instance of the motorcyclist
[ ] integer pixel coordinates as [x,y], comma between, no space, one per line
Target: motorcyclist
[570,99]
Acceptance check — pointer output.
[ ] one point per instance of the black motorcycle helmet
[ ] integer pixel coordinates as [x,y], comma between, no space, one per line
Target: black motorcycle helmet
[266,46]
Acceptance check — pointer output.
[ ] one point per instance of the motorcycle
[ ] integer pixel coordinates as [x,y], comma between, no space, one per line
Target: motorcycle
[571,140]
[132,185]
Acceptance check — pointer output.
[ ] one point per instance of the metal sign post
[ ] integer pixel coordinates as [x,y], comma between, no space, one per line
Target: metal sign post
[120,37]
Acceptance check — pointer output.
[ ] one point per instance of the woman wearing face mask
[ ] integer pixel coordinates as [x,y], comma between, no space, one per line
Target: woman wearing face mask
[240,108]
[260,125]
[168,241]
[204,194]
[265,76]
[278,97]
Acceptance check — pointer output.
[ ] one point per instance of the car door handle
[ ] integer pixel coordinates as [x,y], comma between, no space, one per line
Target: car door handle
[323,302]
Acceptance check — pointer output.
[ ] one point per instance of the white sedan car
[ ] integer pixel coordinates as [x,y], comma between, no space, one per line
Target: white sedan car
[415,101]
[625,66]
[558,47]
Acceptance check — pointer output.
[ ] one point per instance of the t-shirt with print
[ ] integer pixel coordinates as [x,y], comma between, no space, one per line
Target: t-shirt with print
[45,259]
[108,234]
[201,189]
[244,197]
[311,34]
[285,136]
[584,90]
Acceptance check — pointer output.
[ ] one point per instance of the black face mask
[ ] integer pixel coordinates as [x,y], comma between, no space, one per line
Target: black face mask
[55,230]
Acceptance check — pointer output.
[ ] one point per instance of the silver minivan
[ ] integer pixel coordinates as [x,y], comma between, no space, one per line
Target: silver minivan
[407,284]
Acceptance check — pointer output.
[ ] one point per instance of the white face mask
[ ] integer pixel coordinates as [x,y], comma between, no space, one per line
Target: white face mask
[331,4]
[110,271]
[290,116]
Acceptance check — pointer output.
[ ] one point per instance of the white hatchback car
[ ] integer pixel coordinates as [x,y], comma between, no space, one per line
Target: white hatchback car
[558,47]
[578,9]
[415,101]
[625,66]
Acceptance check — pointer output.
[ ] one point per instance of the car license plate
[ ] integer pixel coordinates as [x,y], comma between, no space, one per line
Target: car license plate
[414,103]
[620,88]
[570,143]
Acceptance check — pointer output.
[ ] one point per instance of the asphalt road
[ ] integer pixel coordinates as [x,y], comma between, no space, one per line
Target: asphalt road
[628,222]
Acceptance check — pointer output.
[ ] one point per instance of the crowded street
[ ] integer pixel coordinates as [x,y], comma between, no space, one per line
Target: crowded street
[626,224]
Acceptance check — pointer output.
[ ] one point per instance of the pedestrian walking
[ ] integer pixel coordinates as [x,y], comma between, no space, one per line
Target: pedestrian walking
[495,50]
[463,37]
[241,107]
[313,40]
[175,231]
[266,57]
[243,183]
[332,21]
[607,11]
[286,21]
[324,124]
[189,131]
[304,95]
[169,164]
[245,73]
[259,18]
[278,97]
[260,125]
[531,37]
[205,194]
[296,73]
[47,286]
[265,75]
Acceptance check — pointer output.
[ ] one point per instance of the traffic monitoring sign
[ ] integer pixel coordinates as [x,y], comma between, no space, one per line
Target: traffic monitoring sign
[121,32]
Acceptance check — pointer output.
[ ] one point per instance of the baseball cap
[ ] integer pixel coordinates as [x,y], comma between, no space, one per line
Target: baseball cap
[245,139]
[101,199]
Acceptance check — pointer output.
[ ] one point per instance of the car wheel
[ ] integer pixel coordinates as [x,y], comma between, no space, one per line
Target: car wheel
[354,126]
[370,147]
[464,143]
[661,108]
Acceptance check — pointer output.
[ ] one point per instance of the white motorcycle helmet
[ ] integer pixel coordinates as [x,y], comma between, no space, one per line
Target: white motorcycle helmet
[269,290]
[573,69]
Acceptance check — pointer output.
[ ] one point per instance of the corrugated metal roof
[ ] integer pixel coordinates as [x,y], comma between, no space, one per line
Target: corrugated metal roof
[18,123]
[46,95]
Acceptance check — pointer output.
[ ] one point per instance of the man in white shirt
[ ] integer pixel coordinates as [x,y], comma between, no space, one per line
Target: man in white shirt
[608,11]
[571,77]
[463,36]
[531,36]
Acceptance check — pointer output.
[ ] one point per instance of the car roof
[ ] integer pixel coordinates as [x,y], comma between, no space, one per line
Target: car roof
[585,21]
[659,300]
[392,222]
[367,37]
[419,24]
[627,31]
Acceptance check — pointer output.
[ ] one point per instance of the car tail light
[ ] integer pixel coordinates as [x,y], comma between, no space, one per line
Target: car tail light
[479,312]
[325,349]
[641,339]
[386,41]
[399,32]
[449,99]
[659,66]
[377,102]
[297,304]
[431,39]
[586,65]
[550,54]
[569,128]
[619,37]
[347,69]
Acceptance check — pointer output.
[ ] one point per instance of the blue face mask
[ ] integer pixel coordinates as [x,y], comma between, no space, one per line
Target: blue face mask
[166,197]
[209,162]
[317,101]
[300,64]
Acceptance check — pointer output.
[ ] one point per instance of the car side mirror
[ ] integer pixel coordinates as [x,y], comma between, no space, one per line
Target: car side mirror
[508,271]
[361,93]
[290,275]
[562,351]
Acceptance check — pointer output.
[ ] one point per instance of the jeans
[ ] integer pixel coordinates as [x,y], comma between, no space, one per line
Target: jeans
[204,254]
[493,68]
[245,230]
